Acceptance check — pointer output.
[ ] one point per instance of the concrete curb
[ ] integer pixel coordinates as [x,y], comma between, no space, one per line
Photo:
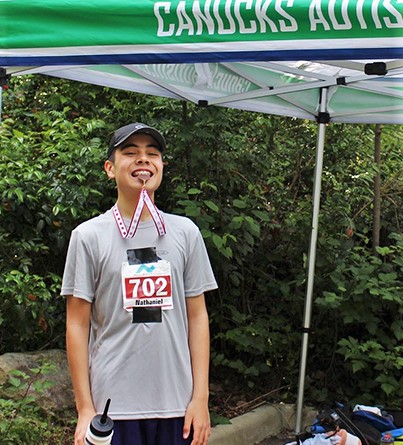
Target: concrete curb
[257,425]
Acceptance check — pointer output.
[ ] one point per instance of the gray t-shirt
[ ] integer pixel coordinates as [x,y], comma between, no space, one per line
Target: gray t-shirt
[144,368]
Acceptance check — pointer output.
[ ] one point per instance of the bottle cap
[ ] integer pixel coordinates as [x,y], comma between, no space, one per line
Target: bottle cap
[102,425]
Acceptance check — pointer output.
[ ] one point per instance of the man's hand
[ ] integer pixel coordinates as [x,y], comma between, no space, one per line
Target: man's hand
[198,416]
[84,420]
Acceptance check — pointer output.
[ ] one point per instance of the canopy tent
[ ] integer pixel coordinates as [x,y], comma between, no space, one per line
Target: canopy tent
[258,55]
[324,60]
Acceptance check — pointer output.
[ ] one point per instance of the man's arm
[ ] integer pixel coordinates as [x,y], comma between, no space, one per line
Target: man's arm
[197,414]
[77,336]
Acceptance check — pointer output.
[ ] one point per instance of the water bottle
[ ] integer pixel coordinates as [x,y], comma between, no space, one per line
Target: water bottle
[387,438]
[100,430]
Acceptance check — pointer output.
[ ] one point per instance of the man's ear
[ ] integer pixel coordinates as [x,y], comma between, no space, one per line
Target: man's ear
[109,168]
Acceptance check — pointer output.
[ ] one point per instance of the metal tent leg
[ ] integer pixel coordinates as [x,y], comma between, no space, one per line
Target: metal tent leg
[312,256]
[1,101]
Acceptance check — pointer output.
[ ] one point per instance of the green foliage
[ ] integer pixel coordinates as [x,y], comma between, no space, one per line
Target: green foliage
[47,184]
[27,313]
[366,292]
[216,419]
[246,180]
[21,419]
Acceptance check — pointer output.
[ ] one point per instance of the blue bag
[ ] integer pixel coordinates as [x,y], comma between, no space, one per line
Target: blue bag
[381,423]
[397,433]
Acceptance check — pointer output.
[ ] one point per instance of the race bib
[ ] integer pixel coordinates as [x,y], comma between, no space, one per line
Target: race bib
[147,285]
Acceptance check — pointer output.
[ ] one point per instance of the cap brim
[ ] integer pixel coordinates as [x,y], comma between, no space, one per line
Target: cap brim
[121,134]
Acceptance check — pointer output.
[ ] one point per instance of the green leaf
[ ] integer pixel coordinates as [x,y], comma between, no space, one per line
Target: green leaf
[357,365]
[254,226]
[239,204]
[388,277]
[20,195]
[193,191]
[388,388]
[211,205]
[264,216]
[15,381]
[18,134]
[218,241]
[216,419]
[192,211]
[205,233]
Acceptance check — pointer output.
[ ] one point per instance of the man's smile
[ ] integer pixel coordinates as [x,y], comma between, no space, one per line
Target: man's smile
[142,174]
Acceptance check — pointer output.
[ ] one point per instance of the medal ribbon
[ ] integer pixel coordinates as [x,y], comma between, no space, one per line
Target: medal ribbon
[144,199]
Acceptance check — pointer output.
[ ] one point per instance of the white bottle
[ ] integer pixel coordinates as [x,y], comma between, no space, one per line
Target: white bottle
[100,430]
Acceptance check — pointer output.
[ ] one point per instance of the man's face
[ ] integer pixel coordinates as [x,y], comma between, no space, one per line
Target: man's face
[135,160]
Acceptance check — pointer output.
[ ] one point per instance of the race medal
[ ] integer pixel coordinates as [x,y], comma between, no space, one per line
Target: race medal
[147,285]
[144,200]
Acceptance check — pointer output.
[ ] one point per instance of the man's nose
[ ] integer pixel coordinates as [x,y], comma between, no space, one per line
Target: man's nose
[142,159]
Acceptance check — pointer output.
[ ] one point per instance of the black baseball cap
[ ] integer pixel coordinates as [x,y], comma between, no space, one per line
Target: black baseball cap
[122,133]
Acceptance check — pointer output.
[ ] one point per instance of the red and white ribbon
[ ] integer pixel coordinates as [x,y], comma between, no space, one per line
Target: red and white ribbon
[144,199]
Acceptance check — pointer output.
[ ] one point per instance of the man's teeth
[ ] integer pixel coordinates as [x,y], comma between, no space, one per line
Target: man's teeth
[142,173]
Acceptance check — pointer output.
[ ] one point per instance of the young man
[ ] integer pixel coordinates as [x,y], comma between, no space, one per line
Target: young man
[137,325]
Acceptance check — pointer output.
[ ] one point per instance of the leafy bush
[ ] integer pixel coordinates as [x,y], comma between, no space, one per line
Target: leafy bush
[365,296]
[21,419]
[246,180]
[47,184]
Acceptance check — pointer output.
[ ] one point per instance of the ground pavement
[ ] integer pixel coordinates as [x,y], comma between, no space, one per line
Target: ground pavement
[281,439]
[266,425]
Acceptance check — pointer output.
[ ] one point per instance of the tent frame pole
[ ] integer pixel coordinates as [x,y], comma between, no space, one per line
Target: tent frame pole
[1,101]
[3,82]
[320,144]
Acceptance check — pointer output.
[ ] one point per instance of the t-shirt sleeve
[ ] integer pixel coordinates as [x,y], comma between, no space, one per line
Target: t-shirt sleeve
[199,276]
[79,272]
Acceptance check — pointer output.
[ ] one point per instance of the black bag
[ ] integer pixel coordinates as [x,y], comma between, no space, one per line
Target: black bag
[397,417]
[341,416]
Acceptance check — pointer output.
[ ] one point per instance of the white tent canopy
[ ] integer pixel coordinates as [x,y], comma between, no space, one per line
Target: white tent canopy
[324,60]
[283,88]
